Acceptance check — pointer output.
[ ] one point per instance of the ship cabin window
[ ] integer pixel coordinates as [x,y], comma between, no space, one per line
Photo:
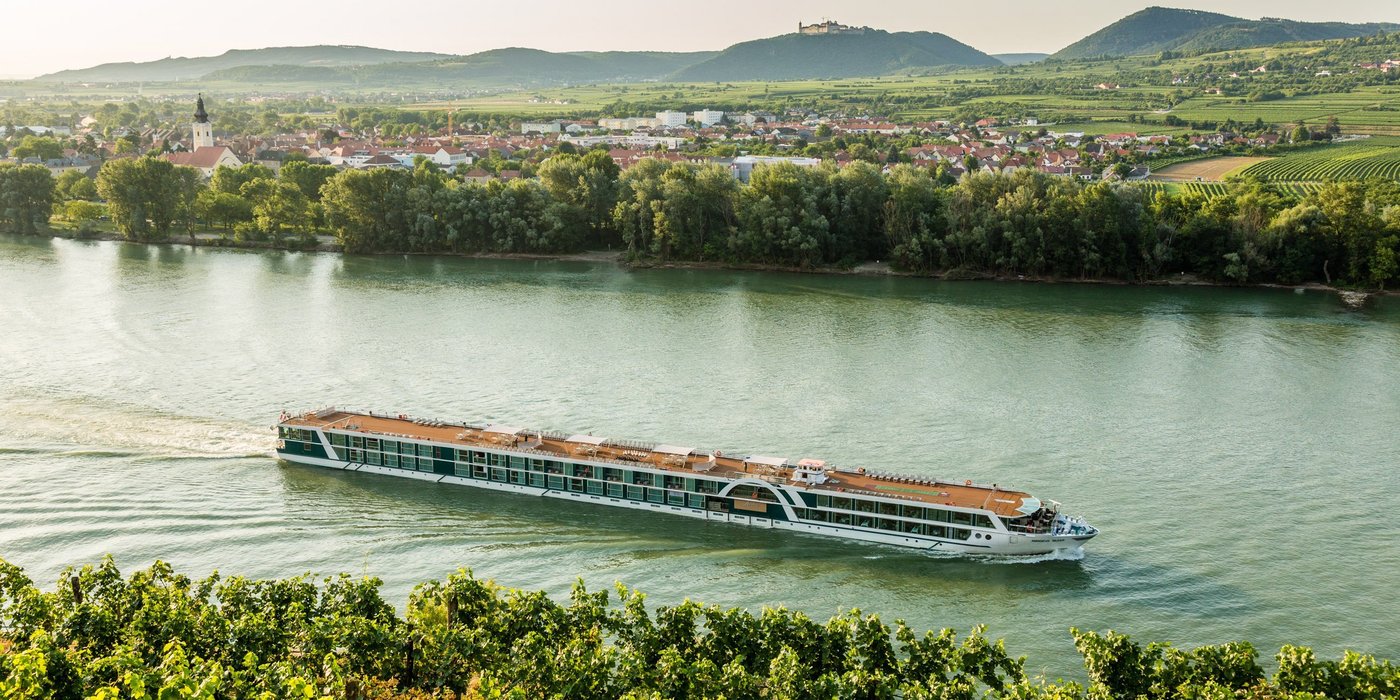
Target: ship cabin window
[461,469]
[865,521]
[355,456]
[356,441]
[478,457]
[913,528]
[641,478]
[537,480]
[820,516]
[980,520]
[389,446]
[338,439]
[960,518]
[576,485]
[865,506]
[891,525]
[391,460]
[823,501]
[425,450]
[517,462]
[498,474]
[937,515]
[517,477]
[889,509]
[495,460]
[936,531]
[634,493]
[407,448]
[372,444]
[535,464]
[583,471]
[841,518]
[595,488]
[372,458]
[610,474]
[407,463]
[617,490]
[479,471]
[697,501]
[553,467]
[706,486]
[656,495]
[958,533]
[675,498]
[556,482]
[674,482]
[841,502]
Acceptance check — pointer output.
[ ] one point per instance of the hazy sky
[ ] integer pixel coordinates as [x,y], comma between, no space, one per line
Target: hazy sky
[80,33]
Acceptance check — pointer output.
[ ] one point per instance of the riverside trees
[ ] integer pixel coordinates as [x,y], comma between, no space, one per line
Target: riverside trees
[26,197]
[160,634]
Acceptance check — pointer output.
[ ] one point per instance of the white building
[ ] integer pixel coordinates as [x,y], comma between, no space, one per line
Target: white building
[540,127]
[670,143]
[743,166]
[203,131]
[628,123]
[671,120]
[707,117]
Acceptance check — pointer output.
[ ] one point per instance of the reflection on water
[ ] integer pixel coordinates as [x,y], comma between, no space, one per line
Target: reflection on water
[1217,436]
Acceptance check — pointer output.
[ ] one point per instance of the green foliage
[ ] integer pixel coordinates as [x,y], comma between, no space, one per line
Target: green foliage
[1354,161]
[159,635]
[41,147]
[26,197]
[146,195]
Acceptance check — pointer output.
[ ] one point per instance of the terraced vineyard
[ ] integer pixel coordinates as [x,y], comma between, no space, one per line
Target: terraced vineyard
[1377,157]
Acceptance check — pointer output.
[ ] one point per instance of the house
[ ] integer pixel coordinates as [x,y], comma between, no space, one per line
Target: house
[476,175]
[670,120]
[707,117]
[742,167]
[383,160]
[553,127]
[205,158]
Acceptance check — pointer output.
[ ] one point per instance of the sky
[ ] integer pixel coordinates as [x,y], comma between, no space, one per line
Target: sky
[87,32]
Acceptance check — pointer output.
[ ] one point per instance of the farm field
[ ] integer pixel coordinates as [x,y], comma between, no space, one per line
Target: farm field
[1206,169]
[1358,160]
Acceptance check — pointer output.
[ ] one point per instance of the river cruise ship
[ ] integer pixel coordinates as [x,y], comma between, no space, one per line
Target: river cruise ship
[805,495]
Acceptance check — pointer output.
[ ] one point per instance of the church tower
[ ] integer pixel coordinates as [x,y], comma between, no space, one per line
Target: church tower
[203,130]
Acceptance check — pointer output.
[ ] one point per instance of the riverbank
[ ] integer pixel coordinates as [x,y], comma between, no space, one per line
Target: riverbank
[1352,298]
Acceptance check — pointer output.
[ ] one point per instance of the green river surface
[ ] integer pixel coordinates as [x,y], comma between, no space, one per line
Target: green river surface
[1237,447]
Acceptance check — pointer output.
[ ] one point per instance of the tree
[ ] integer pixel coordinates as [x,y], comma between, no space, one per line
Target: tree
[83,213]
[277,205]
[144,195]
[226,209]
[41,147]
[74,184]
[26,197]
[229,179]
[308,178]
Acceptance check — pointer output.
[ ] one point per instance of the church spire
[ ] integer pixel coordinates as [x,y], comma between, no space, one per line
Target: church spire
[200,116]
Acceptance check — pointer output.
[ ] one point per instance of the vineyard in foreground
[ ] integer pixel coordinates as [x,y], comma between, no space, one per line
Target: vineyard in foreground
[1372,158]
[160,635]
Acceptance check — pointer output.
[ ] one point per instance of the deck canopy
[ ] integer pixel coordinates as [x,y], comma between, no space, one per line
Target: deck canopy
[502,429]
[673,450]
[766,461]
[587,439]
[1029,505]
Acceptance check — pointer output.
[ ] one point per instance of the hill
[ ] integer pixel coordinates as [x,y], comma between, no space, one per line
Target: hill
[497,67]
[799,57]
[173,69]
[1157,29]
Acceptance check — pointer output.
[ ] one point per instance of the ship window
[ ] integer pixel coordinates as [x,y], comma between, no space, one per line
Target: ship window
[960,534]
[656,495]
[706,486]
[697,501]
[936,514]
[616,490]
[355,455]
[552,467]
[407,448]
[391,460]
[537,480]
[478,471]
[642,478]
[865,506]
[960,518]
[981,520]
[462,470]
[371,443]
[425,450]
[673,482]
[675,498]
[820,516]
[517,462]
[610,474]
[841,502]
[913,528]
[865,522]
[556,482]
[338,439]
[889,509]
[517,477]
[494,459]
[498,474]
[595,488]
[536,464]
[407,462]
[372,458]
[479,457]
[389,446]
[357,441]
[576,485]
[841,518]
[634,493]
[935,530]
[911,511]
[887,524]
[824,501]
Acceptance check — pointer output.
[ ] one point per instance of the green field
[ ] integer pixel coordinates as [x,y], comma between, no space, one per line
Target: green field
[1358,160]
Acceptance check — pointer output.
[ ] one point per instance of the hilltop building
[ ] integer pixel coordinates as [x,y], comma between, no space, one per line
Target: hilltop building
[828,27]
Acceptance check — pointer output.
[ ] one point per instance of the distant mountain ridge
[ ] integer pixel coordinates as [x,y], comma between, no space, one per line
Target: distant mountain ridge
[173,69]
[1158,29]
[800,56]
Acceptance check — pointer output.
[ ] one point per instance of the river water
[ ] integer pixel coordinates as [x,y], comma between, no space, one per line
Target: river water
[1237,447]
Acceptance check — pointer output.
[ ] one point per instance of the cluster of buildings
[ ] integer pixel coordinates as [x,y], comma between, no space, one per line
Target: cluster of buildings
[987,145]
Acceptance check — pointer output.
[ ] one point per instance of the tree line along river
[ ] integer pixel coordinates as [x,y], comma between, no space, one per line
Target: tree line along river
[1236,446]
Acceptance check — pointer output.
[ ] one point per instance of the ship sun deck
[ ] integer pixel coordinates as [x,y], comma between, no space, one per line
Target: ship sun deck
[680,459]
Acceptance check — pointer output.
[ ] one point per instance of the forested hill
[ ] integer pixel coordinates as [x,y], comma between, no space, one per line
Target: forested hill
[171,69]
[797,56]
[1158,29]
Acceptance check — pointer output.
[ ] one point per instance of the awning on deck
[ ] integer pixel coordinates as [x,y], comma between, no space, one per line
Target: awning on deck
[588,439]
[502,429]
[673,450]
[766,461]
